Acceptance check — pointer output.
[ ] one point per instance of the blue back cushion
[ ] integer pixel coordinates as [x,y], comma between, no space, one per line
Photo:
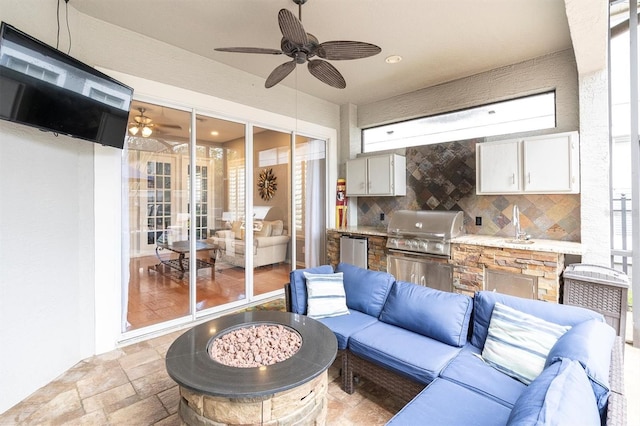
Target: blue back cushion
[561,395]
[433,313]
[484,301]
[299,287]
[366,290]
[590,344]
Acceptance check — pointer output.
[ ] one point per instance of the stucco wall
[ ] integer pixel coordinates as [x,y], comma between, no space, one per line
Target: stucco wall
[556,71]
[594,168]
[46,258]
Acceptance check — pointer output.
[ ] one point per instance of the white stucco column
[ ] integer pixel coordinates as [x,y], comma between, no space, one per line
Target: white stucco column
[589,28]
[594,170]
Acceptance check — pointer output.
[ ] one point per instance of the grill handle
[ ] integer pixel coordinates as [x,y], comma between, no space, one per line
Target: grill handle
[427,235]
[419,253]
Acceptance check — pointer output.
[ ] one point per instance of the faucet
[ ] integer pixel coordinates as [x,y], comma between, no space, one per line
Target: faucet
[516,223]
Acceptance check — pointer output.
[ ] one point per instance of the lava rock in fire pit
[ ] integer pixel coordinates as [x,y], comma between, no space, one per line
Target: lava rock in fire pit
[255,346]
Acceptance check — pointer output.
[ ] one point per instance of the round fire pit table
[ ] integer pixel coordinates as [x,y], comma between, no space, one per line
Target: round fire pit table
[282,393]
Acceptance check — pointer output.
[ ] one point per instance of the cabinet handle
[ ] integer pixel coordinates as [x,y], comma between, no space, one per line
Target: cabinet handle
[529,177]
[513,178]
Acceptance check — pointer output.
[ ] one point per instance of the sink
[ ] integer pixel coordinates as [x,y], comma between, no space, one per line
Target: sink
[523,242]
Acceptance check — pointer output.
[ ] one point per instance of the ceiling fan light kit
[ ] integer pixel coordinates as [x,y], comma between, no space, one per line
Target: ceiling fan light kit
[301,46]
[141,124]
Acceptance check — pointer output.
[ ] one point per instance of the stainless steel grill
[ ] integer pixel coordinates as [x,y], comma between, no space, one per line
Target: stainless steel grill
[419,244]
[424,231]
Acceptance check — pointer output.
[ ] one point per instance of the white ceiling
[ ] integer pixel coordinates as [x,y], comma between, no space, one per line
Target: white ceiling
[439,40]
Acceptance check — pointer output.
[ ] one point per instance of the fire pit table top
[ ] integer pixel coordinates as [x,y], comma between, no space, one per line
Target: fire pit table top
[188,361]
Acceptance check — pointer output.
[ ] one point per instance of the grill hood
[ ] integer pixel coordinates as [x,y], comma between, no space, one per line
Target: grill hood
[429,224]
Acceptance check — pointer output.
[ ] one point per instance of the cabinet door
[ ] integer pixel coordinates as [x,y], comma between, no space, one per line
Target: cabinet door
[498,167]
[357,177]
[380,175]
[548,164]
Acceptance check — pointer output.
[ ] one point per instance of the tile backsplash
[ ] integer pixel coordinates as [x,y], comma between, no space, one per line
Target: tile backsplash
[443,177]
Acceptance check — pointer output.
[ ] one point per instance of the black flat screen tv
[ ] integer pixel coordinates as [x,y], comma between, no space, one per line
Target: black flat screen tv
[43,87]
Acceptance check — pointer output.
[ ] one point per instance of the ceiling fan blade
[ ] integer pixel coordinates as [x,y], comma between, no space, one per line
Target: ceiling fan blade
[291,27]
[326,73]
[343,50]
[169,126]
[279,73]
[249,50]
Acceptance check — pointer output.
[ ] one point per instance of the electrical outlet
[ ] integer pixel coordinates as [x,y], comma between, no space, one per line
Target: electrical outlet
[381,216]
[478,220]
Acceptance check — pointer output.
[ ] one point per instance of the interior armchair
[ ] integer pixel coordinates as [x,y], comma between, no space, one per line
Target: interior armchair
[270,240]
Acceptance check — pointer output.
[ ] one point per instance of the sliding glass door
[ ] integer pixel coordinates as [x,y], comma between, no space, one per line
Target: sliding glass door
[207,227]
[156,281]
[219,211]
[271,210]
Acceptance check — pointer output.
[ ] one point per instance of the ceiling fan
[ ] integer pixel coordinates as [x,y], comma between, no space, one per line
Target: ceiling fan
[301,47]
[144,124]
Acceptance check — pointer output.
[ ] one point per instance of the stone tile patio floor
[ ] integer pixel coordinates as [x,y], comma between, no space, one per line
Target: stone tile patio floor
[130,386]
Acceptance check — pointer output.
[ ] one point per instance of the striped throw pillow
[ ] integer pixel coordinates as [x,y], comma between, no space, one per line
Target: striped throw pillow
[518,343]
[325,295]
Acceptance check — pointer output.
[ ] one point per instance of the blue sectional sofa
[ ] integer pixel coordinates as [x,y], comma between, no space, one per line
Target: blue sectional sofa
[459,360]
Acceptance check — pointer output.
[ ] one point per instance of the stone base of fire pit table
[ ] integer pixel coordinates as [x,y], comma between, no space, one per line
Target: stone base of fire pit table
[303,405]
[289,392]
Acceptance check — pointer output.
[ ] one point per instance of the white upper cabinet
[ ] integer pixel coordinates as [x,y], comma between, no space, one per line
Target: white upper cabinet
[551,164]
[547,164]
[377,175]
[498,167]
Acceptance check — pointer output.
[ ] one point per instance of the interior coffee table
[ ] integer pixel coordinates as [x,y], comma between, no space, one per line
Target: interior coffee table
[182,262]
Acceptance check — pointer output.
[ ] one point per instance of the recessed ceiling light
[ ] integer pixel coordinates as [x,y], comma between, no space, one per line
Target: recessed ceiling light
[214,133]
[393,59]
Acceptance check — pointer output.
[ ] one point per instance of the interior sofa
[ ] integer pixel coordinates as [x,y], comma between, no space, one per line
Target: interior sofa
[492,359]
[270,241]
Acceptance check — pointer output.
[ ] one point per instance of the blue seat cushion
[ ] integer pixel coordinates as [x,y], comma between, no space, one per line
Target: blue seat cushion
[484,302]
[366,290]
[433,313]
[590,344]
[299,287]
[413,355]
[560,395]
[446,403]
[470,371]
[346,325]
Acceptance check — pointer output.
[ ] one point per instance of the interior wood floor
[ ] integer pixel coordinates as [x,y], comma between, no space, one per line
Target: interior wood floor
[158,294]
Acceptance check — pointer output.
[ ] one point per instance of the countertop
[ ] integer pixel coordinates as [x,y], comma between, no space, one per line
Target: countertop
[551,246]
[377,231]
